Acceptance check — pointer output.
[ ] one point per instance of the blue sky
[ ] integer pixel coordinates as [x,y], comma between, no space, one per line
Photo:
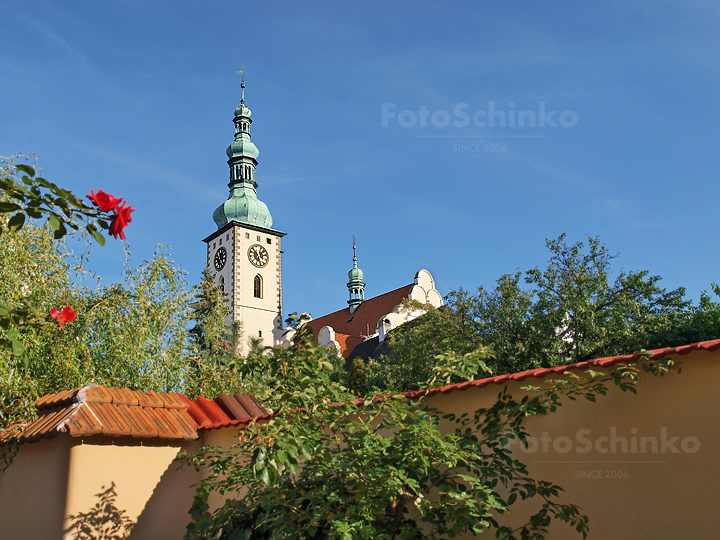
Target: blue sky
[136,98]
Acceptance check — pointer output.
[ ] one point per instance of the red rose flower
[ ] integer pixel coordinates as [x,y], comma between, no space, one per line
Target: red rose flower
[64,316]
[120,220]
[68,314]
[104,201]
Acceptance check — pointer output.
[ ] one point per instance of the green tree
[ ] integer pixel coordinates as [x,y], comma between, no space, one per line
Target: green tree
[329,466]
[24,196]
[130,334]
[133,333]
[571,311]
[357,379]
[416,344]
[213,340]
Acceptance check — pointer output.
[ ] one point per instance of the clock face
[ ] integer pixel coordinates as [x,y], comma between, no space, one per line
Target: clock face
[220,259]
[258,255]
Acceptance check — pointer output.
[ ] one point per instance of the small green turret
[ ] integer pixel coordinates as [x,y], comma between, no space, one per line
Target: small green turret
[356,286]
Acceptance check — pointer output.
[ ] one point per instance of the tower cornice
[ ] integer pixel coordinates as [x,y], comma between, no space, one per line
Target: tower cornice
[248,226]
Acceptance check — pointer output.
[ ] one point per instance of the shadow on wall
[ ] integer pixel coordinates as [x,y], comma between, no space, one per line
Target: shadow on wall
[105,521]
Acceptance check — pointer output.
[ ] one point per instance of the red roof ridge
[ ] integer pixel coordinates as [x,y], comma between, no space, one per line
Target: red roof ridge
[97,393]
[225,410]
[540,373]
[385,294]
[96,409]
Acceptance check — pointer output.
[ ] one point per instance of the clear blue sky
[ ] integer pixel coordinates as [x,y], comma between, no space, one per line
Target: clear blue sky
[136,98]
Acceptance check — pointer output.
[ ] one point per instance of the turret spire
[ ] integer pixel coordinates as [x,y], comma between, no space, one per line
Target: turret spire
[356,286]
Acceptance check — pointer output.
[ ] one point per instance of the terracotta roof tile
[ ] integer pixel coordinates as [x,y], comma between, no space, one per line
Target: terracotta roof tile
[112,420]
[251,405]
[137,420]
[40,428]
[95,393]
[149,399]
[225,410]
[348,343]
[53,400]
[580,366]
[172,401]
[123,396]
[95,409]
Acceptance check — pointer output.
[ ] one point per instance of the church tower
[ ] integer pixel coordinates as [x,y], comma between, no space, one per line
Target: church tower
[245,251]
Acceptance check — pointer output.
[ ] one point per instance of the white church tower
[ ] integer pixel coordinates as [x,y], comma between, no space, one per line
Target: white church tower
[245,251]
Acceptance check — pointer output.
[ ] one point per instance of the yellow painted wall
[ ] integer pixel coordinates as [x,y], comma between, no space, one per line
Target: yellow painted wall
[136,470]
[33,491]
[57,483]
[224,438]
[654,495]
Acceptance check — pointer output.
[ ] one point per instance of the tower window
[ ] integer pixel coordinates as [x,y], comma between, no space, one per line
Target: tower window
[257,287]
[258,238]
[227,236]
[259,333]
[247,235]
[213,245]
[222,284]
[269,241]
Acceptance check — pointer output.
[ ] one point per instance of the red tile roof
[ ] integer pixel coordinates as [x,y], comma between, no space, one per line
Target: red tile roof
[224,411]
[95,409]
[364,321]
[580,366]
[98,410]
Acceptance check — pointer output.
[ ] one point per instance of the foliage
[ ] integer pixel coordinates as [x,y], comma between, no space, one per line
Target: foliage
[571,311]
[357,379]
[416,344]
[129,334]
[330,466]
[213,342]
[24,194]
[28,195]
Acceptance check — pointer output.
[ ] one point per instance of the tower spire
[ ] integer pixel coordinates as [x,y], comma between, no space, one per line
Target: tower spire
[242,86]
[356,286]
[242,205]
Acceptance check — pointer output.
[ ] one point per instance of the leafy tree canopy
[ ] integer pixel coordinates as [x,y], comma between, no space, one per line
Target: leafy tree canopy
[571,311]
